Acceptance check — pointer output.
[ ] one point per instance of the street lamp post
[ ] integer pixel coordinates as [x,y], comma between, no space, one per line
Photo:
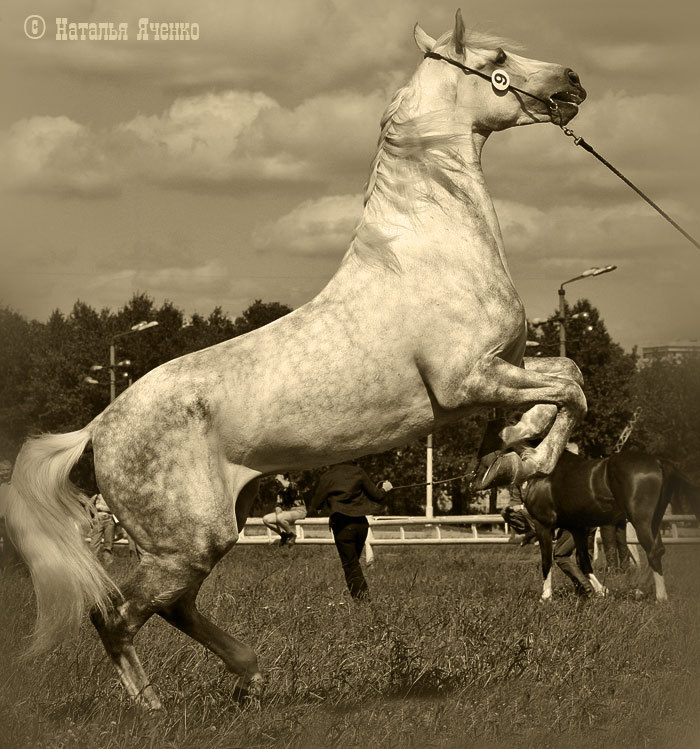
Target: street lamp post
[113,364]
[143,325]
[429,477]
[562,301]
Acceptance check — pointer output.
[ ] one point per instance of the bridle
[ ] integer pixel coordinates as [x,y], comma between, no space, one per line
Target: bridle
[500,80]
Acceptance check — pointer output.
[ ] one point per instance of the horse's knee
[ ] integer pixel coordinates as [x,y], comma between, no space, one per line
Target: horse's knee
[574,399]
[570,369]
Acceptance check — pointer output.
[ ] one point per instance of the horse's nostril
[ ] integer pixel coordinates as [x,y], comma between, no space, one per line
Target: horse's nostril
[573,76]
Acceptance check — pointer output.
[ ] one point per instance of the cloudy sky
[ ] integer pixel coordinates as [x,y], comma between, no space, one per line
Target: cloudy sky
[217,171]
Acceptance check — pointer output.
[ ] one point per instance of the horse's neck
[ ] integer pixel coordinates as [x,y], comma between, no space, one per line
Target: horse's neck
[465,229]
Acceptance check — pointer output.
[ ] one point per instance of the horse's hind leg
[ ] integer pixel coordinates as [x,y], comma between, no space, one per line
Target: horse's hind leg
[654,549]
[119,627]
[238,657]
[175,562]
[645,510]
[544,536]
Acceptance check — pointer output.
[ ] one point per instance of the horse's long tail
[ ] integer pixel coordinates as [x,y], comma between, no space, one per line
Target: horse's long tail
[679,490]
[47,522]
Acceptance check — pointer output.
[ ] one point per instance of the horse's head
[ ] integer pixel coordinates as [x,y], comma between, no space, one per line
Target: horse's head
[461,73]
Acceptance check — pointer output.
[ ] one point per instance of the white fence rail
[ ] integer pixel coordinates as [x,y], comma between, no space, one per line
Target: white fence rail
[449,529]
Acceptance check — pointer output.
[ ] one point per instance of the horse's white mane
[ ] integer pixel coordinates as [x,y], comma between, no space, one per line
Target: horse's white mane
[411,151]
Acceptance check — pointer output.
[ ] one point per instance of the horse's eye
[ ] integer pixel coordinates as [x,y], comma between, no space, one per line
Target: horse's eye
[501,56]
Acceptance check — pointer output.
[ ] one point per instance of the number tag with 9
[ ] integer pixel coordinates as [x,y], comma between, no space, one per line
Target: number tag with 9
[500,80]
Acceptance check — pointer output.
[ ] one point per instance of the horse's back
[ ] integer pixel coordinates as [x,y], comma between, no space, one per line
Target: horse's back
[578,492]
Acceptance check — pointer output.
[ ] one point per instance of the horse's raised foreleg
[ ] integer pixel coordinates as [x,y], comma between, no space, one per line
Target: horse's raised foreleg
[539,419]
[500,384]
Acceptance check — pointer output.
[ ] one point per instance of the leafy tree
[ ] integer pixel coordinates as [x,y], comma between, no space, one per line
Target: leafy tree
[16,336]
[669,424]
[258,314]
[42,380]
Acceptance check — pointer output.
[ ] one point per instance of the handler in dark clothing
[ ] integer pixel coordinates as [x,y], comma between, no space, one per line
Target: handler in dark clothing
[349,494]
[569,562]
[614,538]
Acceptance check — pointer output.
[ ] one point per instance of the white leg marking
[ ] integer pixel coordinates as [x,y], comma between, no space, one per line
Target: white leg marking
[598,587]
[547,587]
[660,585]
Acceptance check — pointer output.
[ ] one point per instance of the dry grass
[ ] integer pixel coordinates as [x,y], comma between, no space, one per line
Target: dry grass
[456,650]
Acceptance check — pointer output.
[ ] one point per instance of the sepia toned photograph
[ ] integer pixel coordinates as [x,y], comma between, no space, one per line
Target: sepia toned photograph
[349,374]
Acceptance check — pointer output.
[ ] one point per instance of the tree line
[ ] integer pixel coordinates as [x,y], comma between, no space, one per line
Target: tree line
[43,388]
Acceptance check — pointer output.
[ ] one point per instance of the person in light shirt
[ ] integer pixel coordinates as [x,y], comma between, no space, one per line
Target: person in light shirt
[290,507]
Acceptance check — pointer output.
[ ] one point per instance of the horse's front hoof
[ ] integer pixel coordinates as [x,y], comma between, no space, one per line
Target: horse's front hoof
[148,700]
[505,470]
[255,686]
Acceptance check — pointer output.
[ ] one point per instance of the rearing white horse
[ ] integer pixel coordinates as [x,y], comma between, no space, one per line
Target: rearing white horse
[420,325]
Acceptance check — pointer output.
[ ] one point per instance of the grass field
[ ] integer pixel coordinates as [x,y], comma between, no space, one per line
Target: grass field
[456,650]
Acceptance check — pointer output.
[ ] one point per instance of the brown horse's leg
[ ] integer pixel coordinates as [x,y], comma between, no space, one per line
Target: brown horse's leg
[544,536]
[565,558]
[583,557]
[654,550]
[642,486]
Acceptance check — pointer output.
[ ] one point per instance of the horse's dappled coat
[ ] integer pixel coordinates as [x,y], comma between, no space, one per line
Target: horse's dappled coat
[420,325]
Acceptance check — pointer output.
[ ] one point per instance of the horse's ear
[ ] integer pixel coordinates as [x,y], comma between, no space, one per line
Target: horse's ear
[459,35]
[424,41]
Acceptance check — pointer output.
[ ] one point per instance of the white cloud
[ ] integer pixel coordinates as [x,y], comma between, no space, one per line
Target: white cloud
[315,227]
[55,154]
[567,239]
[211,139]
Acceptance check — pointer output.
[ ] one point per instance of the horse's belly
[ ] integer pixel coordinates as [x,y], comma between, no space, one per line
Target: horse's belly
[340,418]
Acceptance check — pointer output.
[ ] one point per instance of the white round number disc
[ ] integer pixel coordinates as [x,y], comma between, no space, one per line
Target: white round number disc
[500,80]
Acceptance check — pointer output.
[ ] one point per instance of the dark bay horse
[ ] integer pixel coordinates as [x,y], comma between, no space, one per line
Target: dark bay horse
[581,493]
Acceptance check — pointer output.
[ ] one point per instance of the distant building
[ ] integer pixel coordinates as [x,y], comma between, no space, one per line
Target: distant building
[677,351]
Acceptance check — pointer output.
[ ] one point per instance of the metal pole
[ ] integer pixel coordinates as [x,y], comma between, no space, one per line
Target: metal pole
[562,321]
[112,372]
[429,477]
